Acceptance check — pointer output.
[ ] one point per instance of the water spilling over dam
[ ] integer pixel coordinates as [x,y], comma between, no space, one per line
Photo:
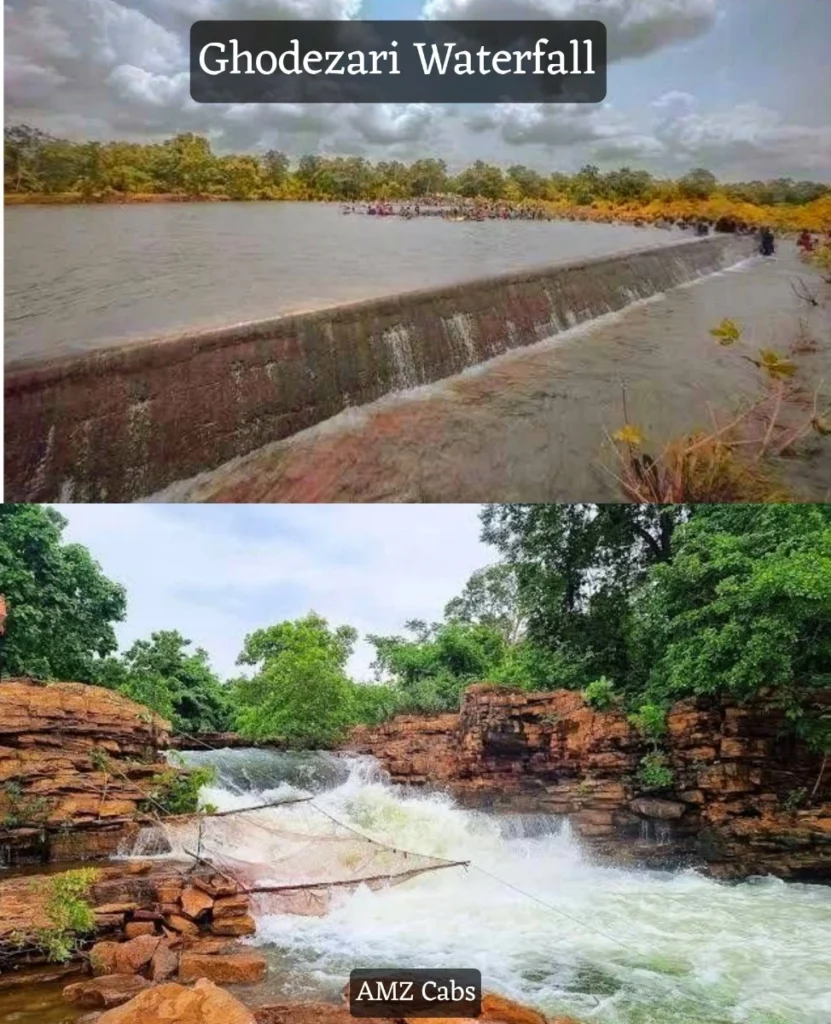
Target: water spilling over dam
[125,422]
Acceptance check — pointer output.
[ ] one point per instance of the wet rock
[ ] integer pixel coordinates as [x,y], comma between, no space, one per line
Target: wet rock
[106,992]
[652,807]
[230,906]
[310,1013]
[242,968]
[175,1004]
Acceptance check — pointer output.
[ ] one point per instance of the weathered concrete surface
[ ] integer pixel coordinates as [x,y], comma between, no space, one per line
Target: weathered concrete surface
[738,803]
[534,424]
[120,424]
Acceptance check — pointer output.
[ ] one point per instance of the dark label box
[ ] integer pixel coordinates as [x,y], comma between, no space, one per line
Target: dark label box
[415,993]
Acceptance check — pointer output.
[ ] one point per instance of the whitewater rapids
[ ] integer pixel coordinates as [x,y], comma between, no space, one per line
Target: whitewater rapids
[606,945]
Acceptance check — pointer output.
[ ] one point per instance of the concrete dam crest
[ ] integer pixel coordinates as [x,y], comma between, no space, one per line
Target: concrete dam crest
[121,423]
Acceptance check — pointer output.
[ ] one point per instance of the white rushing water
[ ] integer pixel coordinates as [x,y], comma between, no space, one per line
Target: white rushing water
[610,946]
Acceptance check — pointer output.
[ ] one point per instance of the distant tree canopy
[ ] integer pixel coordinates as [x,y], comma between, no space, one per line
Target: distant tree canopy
[36,162]
[61,607]
[639,604]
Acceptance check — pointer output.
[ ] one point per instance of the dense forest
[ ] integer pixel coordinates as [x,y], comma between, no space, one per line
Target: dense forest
[635,604]
[36,163]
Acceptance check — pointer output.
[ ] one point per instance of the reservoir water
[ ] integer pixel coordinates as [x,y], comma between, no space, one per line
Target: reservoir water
[612,946]
[79,277]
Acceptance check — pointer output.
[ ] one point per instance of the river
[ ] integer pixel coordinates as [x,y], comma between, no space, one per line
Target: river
[606,945]
[613,946]
[81,277]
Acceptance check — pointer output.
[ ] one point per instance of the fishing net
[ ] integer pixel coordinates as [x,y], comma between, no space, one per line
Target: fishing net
[291,856]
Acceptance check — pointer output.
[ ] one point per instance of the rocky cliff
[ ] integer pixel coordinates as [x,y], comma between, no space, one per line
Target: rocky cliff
[76,763]
[741,800]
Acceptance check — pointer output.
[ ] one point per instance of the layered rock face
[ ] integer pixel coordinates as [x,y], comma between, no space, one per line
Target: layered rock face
[76,763]
[153,920]
[740,802]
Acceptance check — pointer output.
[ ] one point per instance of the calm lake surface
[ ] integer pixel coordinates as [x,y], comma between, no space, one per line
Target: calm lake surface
[82,277]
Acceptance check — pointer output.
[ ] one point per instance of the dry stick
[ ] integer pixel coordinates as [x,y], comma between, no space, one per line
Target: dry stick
[213,867]
[359,881]
[819,777]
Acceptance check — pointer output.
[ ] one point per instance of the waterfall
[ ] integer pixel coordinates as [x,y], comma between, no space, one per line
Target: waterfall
[602,944]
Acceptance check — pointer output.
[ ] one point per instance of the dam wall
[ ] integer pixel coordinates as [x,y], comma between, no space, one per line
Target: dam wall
[121,423]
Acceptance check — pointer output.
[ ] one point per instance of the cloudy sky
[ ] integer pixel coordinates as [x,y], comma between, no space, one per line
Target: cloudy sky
[740,86]
[217,572]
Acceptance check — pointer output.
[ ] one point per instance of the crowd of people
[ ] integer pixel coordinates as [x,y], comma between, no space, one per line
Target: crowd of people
[457,208]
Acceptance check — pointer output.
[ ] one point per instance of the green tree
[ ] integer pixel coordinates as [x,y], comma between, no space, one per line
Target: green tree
[62,608]
[176,683]
[490,598]
[697,184]
[433,668]
[300,694]
[576,567]
[744,606]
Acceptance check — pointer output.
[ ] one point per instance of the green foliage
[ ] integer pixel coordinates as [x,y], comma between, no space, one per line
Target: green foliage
[432,669]
[61,607]
[650,721]
[372,704]
[599,694]
[71,917]
[744,605]
[186,165]
[19,810]
[795,799]
[654,773]
[490,598]
[177,791]
[175,683]
[577,568]
[300,694]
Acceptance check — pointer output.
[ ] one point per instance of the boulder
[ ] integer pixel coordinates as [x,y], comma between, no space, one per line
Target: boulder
[132,956]
[133,929]
[175,1004]
[195,903]
[230,906]
[165,963]
[102,956]
[652,807]
[106,992]
[244,925]
[242,968]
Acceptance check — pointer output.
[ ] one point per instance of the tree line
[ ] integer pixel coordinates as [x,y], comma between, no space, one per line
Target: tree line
[39,163]
[635,604]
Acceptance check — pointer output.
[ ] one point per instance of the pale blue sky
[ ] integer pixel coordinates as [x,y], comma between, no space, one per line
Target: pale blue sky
[741,86]
[217,572]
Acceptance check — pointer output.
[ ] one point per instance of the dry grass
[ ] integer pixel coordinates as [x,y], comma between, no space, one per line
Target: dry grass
[733,459]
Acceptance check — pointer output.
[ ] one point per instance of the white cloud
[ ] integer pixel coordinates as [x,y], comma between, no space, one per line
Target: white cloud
[215,573]
[635,28]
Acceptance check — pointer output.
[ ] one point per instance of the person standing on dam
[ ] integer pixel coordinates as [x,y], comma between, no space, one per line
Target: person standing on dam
[766,242]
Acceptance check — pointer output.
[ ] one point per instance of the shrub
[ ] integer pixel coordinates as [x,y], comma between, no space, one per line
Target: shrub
[651,721]
[177,791]
[70,914]
[599,694]
[654,772]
